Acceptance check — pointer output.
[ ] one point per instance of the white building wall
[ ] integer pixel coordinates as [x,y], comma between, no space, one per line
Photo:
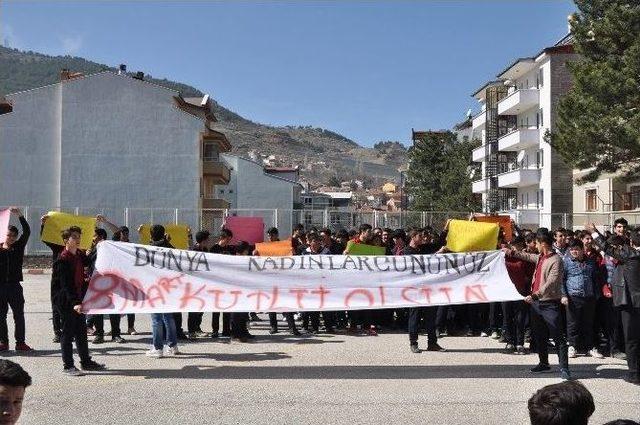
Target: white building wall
[30,149]
[252,192]
[102,143]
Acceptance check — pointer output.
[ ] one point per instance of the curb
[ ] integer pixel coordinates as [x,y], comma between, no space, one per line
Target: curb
[36,271]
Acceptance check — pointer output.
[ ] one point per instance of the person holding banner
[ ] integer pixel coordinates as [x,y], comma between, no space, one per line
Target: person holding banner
[545,300]
[224,246]
[69,287]
[122,235]
[163,325]
[11,295]
[98,320]
[416,313]
[274,236]
[194,319]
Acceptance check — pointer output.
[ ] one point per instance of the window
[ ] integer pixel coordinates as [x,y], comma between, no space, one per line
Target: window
[540,118]
[540,158]
[209,187]
[591,199]
[540,198]
[635,197]
[539,78]
[210,152]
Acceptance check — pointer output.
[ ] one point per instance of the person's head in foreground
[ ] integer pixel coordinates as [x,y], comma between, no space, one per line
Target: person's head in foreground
[567,403]
[13,381]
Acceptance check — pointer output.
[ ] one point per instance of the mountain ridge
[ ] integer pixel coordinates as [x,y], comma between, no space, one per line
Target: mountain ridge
[321,154]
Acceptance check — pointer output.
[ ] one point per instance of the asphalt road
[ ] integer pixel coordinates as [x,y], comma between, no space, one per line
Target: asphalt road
[280,379]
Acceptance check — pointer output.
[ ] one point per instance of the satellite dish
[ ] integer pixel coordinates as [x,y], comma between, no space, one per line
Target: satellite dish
[521,156]
[204,101]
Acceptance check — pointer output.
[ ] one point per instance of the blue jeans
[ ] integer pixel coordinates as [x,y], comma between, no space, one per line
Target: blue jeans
[160,323]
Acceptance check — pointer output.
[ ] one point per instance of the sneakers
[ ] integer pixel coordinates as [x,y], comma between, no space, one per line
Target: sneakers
[98,339]
[415,349]
[632,378]
[521,350]
[540,368]
[158,354]
[495,335]
[595,353]
[484,334]
[93,366]
[23,347]
[118,340]
[373,331]
[4,346]
[273,331]
[510,348]
[132,331]
[434,347]
[215,335]
[295,332]
[565,375]
[571,351]
[619,355]
[73,371]
[172,351]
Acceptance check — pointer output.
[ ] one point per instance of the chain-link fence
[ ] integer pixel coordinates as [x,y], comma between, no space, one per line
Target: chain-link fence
[285,219]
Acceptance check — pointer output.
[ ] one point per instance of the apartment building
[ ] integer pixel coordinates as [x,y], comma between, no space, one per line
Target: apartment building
[521,175]
[110,142]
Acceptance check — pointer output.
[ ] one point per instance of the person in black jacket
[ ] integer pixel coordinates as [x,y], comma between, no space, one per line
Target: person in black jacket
[55,252]
[11,294]
[416,313]
[626,294]
[69,286]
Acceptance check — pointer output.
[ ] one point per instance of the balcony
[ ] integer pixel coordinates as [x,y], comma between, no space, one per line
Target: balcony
[520,138]
[214,204]
[217,171]
[519,177]
[479,120]
[519,101]
[480,186]
[216,138]
[479,154]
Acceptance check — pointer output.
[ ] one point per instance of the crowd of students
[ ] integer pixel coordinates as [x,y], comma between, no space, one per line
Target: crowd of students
[580,289]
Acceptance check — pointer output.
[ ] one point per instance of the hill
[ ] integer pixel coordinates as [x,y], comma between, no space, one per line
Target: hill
[320,153]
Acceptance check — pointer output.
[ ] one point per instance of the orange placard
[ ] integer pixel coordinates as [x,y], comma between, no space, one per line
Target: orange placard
[275,249]
[504,221]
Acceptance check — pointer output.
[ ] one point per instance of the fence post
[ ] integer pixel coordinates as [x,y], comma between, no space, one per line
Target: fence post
[176,216]
[564,220]
[325,218]
[375,218]
[275,218]
[126,217]
[77,210]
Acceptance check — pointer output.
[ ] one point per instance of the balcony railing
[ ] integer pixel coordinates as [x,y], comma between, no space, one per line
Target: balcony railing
[519,138]
[519,101]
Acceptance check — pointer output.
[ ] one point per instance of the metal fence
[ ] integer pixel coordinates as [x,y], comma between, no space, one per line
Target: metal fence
[285,219]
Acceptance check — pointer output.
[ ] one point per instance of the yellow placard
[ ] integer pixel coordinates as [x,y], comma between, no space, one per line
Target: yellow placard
[275,249]
[179,234]
[59,221]
[466,236]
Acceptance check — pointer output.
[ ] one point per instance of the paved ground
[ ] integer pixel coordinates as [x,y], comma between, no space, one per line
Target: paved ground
[281,379]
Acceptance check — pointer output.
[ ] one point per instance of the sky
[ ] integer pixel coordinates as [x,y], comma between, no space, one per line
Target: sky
[369,70]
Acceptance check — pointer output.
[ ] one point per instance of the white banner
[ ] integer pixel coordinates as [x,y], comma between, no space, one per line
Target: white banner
[132,278]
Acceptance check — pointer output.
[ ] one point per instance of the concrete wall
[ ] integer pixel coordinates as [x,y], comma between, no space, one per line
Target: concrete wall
[30,149]
[561,182]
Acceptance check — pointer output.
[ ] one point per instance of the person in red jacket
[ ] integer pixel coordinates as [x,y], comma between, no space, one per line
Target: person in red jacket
[515,312]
